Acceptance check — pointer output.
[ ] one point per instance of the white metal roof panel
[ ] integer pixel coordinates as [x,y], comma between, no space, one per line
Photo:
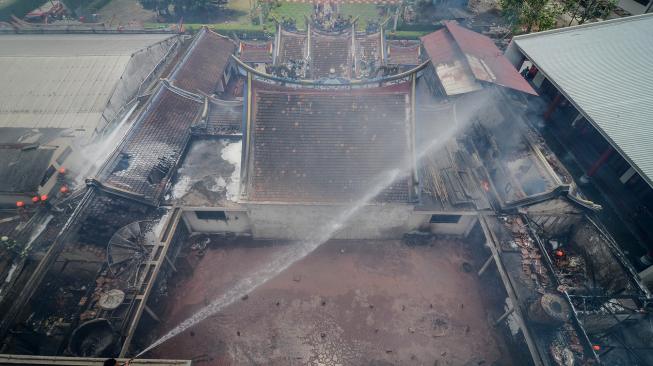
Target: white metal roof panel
[604,69]
[75,44]
[59,92]
[455,79]
[63,80]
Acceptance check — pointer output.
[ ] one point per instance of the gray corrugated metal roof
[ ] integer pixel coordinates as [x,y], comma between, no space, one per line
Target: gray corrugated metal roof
[604,69]
[64,81]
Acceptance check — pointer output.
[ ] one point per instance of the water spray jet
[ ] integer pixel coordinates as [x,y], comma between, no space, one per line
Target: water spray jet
[297,252]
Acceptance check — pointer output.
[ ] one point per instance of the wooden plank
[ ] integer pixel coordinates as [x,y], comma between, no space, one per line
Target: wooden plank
[6,359]
[173,221]
[491,241]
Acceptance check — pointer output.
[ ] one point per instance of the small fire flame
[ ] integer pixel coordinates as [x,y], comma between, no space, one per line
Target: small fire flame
[486,185]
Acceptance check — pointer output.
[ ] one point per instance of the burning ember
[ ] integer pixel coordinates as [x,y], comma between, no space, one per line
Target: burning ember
[486,185]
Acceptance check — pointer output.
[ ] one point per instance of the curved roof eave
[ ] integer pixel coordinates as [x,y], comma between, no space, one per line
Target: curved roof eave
[316,82]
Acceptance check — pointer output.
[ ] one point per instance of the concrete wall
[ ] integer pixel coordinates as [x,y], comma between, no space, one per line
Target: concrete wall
[513,55]
[237,222]
[279,221]
[461,228]
[632,6]
[297,222]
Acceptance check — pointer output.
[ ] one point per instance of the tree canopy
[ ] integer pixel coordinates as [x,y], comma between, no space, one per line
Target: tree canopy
[584,10]
[180,6]
[529,15]
[537,15]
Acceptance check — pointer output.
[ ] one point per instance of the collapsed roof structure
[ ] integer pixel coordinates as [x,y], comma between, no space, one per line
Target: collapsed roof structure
[266,139]
[126,189]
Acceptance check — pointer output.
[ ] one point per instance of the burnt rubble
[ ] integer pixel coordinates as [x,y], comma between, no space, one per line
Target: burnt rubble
[105,255]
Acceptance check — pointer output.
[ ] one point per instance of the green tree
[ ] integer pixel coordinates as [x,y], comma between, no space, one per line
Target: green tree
[529,15]
[152,4]
[181,6]
[584,10]
[191,6]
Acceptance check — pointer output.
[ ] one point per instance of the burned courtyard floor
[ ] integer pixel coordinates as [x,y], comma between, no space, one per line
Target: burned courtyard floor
[348,303]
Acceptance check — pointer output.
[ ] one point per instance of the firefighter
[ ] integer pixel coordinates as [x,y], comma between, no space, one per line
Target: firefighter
[559,256]
[45,201]
[22,211]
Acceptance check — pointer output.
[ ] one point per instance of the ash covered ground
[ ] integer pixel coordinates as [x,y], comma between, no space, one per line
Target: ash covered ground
[348,303]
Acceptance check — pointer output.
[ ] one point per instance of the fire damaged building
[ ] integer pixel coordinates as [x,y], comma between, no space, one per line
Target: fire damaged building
[596,107]
[67,90]
[250,142]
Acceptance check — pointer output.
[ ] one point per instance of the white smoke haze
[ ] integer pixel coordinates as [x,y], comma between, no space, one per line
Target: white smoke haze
[231,154]
[92,154]
[465,111]
[199,168]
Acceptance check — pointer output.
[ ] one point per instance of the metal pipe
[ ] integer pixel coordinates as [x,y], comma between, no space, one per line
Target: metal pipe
[485,266]
[505,315]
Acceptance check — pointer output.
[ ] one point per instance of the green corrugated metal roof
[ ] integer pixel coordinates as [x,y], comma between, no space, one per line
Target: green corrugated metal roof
[604,69]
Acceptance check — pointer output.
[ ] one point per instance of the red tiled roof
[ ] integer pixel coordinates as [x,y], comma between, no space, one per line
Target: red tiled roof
[492,66]
[255,52]
[202,68]
[330,52]
[291,47]
[147,156]
[440,47]
[225,117]
[151,150]
[403,52]
[485,61]
[327,146]
[368,50]
[369,46]
[449,63]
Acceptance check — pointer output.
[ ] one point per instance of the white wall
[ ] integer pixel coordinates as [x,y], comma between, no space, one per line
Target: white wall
[278,221]
[237,222]
[297,222]
[461,228]
[513,55]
